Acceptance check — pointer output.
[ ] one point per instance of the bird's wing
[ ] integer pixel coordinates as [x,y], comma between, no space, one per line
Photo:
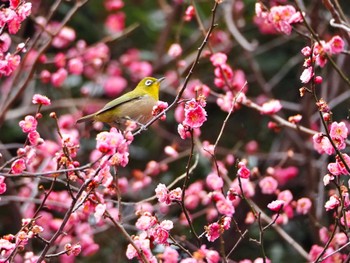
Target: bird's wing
[117,102]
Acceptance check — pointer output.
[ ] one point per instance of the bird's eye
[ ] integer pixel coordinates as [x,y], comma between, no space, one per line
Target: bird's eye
[148,82]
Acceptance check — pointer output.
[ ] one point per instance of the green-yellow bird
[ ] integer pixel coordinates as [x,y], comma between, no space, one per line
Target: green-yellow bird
[136,105]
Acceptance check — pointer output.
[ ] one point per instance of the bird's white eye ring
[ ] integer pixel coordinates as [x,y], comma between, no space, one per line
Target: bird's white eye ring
[148,82]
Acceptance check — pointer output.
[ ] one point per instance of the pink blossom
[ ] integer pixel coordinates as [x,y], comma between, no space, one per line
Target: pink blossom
[9,63]
[45,76]
[162,194]
[99,212]
[285,196]
[322,144]
[225,207]
[307,75]
[184,131]
[140,69]
[146,221]
[195,115]
[115,22]
[271,107]
[5,42]
[34,138]
[2,185]
[189,13]
[283,16]
[64,37]
[306,51]
[170,151]
[338,130]
[75,66]
[158,108]
[212,256]
[175,50]
[214,182]
[111,142]
[170,255]
[243,171]
[144,245]
[336,45]
[283,175]
[28,124]
[60,60]
[340,239]
[332,203]
[18,166]
[160,233]
[58,77]
[226,222]
[113,5]
[41,99]
[175,194]
[268,185]
[276,205]
[114,85]
[218,59]
[213,231]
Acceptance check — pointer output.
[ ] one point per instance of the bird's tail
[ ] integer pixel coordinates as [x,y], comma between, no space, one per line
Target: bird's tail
[86,118]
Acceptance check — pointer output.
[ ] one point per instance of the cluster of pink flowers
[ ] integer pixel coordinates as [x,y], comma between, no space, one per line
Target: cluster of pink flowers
[29,126]
[215,230]
[156,231]
[338,133]
[281,18]
[317,54]
[285,206]
[225,77]
[194,117]
[14,15]
[11,18]
[167,197]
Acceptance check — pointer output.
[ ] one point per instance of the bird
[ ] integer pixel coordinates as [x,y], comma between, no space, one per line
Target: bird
[135,105]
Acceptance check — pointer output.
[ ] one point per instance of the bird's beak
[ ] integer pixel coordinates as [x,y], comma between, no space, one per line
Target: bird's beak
[160,80]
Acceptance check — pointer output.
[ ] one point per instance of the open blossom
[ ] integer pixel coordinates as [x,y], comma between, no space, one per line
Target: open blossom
[146,221]
[110,142]
[14,15]
[8,63]
[160,232]
[28,124]
[332,203]
[195,115]
[303,205]
[175,50]
[322,144]
[18,166]
[41,99]
[338,168]
[276,205]
[243,171]
[271,107]
[213,231]
[268,185]
[166,197]
[338,130]
[214,181]
[158,108]
[218,59]
[99,211]
[281,17]
[225,207]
